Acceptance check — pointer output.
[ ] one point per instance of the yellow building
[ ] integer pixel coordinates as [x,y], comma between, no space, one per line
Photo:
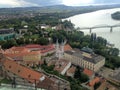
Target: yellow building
[90,61]
[24,55]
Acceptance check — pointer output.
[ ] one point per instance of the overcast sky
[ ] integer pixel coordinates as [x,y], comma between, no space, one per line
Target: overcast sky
[29,3]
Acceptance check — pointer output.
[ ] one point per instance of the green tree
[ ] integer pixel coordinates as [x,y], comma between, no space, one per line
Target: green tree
[43,41]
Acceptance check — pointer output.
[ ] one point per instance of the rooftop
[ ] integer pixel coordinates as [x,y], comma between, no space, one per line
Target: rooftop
[41,48]
[116,74]
[16,50]
[93,58]
[87,49]
[88,72]
[67,47]
[71,70]
[61,64]
[22,71]
[6,31]
[95,80]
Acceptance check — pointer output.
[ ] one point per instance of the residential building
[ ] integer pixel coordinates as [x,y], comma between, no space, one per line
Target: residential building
[71,71]
[22,75]
[86,60]
[89,73]
[44,26]
[115,77]
[43,49]
[62,66]
[24,55]
[67,47]
[94,81]
[107,86]
[6,34]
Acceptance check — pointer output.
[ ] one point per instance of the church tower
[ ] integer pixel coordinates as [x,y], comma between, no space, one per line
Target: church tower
[60,49]
[57,48]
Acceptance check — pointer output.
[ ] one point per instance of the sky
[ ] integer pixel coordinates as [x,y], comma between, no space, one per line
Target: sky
[38,3]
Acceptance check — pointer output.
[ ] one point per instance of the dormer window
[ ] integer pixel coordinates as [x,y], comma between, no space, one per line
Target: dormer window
[18,71]
[9,66]
[29,76]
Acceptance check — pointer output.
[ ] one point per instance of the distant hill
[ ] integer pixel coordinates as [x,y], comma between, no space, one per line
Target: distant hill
[55,9]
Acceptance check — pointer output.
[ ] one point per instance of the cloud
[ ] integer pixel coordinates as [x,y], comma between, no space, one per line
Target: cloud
[26,3]
[16,3]
[107,1]
[77,2]
[45,2]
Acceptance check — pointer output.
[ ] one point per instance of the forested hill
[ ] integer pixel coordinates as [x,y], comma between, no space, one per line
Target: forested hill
[56,9]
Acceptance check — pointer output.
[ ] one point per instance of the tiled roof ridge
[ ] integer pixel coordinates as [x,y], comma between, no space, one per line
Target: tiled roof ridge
[9,65]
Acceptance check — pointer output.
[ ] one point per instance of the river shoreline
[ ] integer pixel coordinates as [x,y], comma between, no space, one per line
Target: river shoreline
[100,17]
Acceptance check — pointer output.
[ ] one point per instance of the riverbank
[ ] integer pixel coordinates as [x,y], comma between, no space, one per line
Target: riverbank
[99,18]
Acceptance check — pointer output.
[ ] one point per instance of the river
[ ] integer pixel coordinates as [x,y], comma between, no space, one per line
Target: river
[101,17]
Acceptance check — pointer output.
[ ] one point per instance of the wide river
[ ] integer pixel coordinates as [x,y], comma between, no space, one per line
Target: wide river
[101,17]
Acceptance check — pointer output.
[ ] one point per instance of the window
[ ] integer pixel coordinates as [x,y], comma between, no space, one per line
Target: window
[18,71]
[9,66]
[29,75]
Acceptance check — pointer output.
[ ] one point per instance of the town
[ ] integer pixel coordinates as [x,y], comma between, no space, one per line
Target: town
[47,53]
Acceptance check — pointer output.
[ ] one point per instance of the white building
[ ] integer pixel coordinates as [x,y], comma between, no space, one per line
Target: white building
[62,66]
[90,61]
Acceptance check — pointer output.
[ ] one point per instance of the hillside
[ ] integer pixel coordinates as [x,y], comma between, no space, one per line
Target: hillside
[55,9]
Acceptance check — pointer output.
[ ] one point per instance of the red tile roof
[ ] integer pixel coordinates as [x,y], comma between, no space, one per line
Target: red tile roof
[61,65]
[17,53]
[15,50]
[22,71]
[95,80]
[67,47]
[88,72]
[19,56]
[41,48]
[71,70]
[33,46]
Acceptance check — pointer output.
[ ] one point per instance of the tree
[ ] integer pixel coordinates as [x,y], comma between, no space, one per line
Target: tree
[80,76]
[43,41]
[97,85]
[9,44]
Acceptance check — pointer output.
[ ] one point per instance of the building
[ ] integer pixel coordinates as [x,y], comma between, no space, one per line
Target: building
[107,86]
[89,73]
[87,49]
[22,75]
[86,60]
[67,47]
[115,77]
[61,48]
[58,27]
[94,81]
[24,55]
[6,34]
[71,71]
[43,49]
[62,66]
[44,26]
